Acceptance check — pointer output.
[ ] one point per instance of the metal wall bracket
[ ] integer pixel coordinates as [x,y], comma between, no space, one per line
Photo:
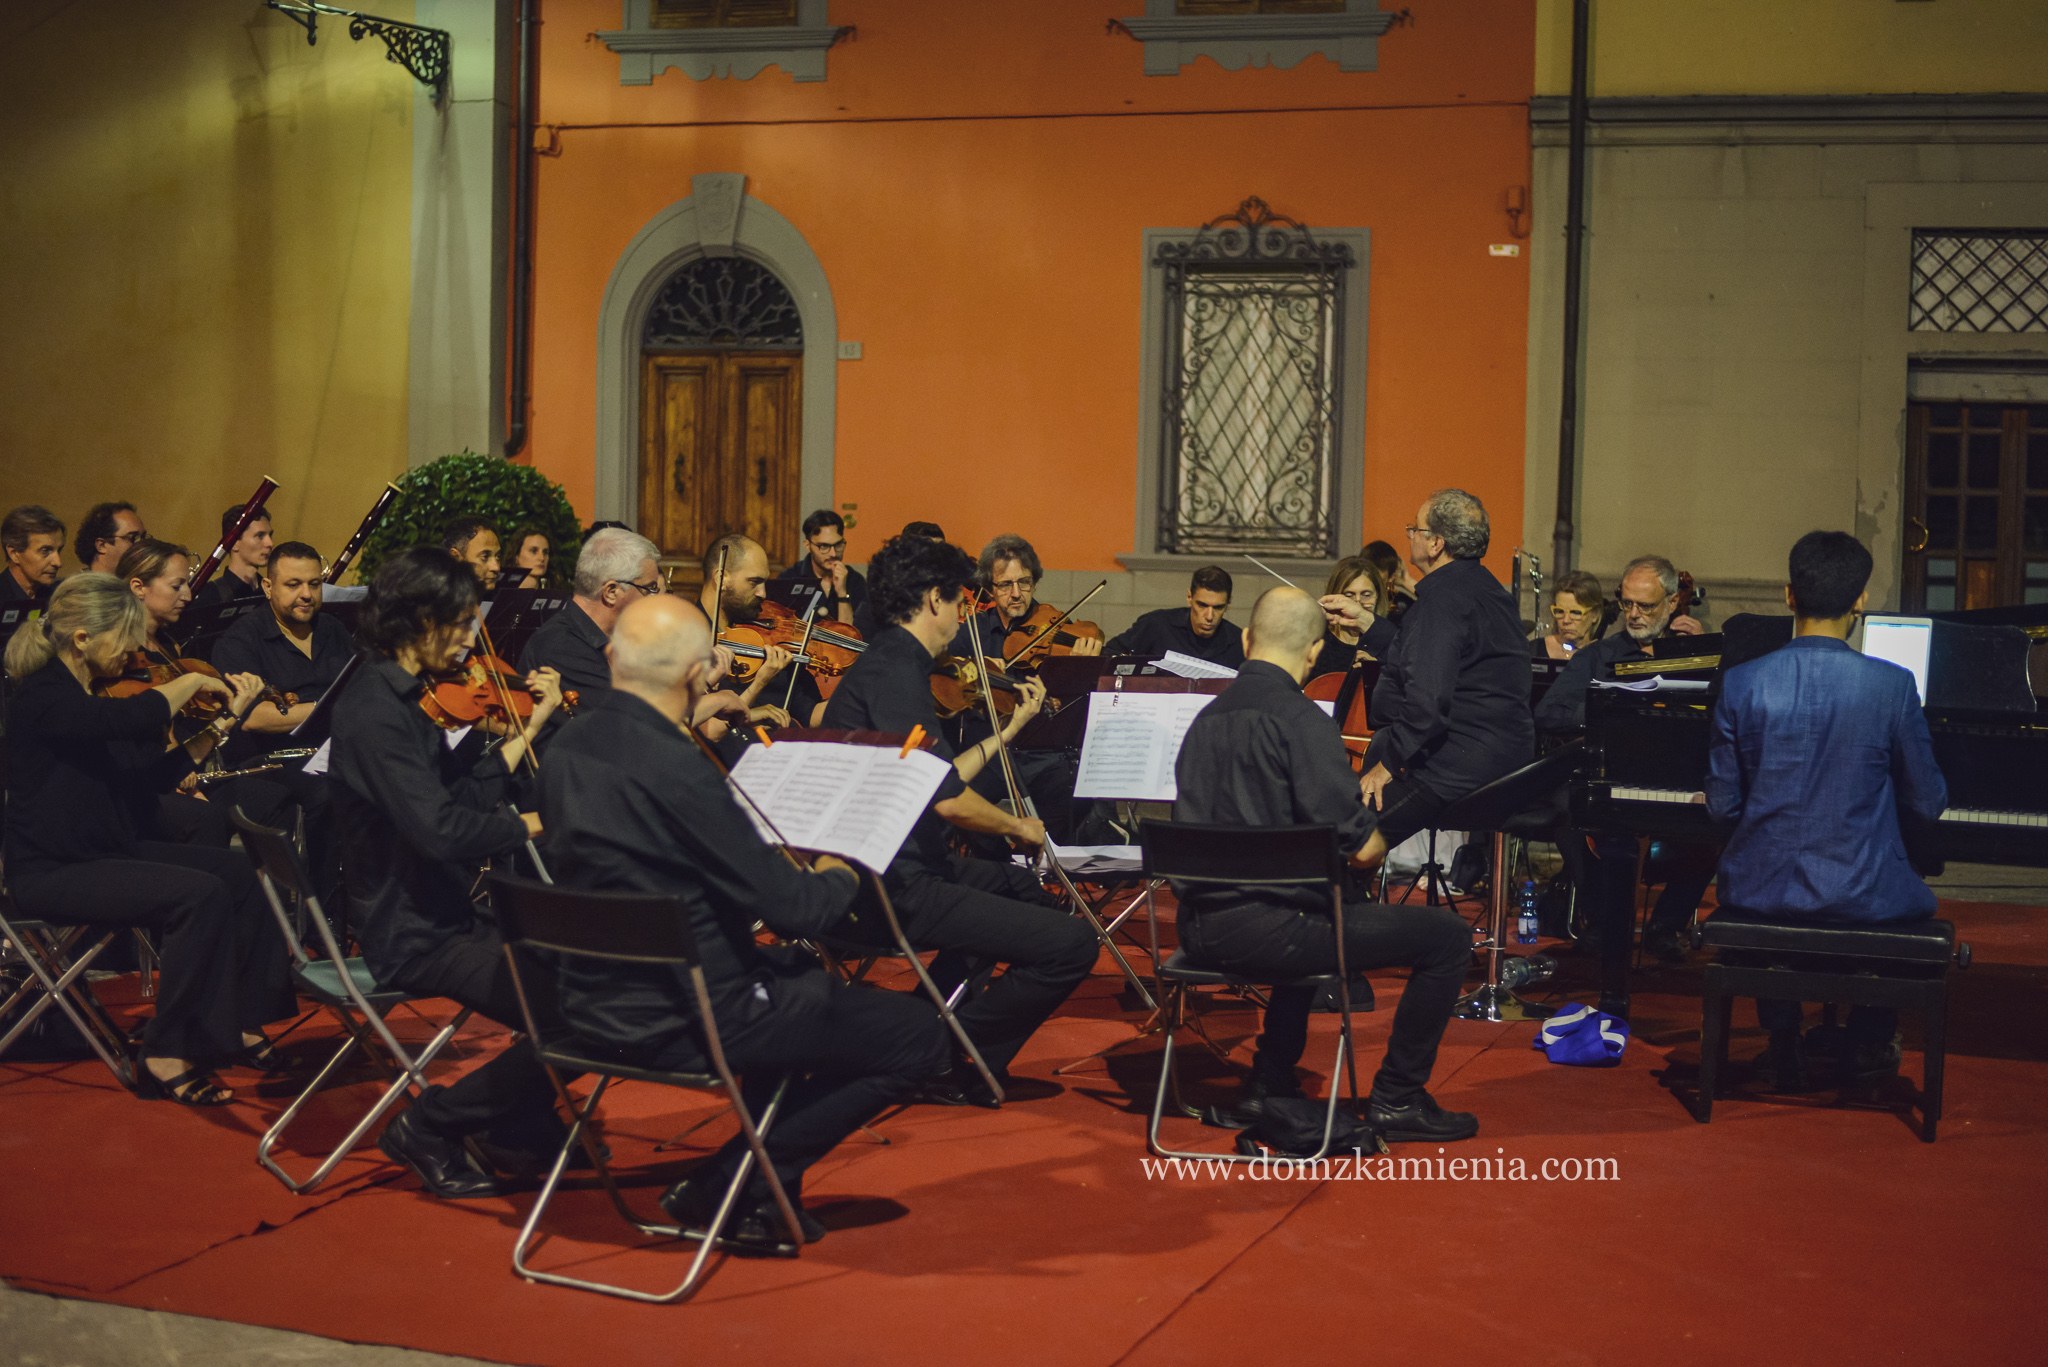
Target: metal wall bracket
[421,51]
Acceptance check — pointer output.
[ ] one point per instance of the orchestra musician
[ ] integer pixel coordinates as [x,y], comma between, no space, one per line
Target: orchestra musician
[241,574]
[474,542]
[1650,624]
[107,532]
[1578,608]
[864,616]
[75,856]
[630,804]
[738,565]
[1198,630]
[1400,589]
[1451,708]
[615,568]
[33,539]
[978,913]
[1815,750]
[843,591]
[1359,583]
[531,552]
[414,819]
[1262,754]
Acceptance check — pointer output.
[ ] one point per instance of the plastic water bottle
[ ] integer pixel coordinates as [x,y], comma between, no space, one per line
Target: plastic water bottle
[1525,921]
[1526,970]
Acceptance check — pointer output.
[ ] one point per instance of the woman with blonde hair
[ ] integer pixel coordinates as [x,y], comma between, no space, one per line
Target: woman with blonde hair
[1577,612]
[74,856]
[1358,580]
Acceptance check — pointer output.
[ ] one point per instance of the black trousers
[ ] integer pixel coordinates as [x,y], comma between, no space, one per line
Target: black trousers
[1405,808]
[1610,890]
[996,914]
[1432,942]
[510,1096]
[224,964]
[853,1051]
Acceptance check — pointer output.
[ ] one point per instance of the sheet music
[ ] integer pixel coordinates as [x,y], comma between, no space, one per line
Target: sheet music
[1188,667]
[1132,742]
[856,801]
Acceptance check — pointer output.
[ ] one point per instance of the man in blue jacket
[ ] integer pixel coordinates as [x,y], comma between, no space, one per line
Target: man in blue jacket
[1816,748]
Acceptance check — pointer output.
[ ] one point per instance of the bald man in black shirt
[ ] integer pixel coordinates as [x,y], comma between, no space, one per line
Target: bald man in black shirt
[1264,755]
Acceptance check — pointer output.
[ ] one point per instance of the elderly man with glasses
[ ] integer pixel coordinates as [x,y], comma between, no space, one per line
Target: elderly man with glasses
[615,567]
[107,532]
[823,569]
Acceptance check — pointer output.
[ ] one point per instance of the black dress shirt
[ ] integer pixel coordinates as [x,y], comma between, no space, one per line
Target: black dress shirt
[256,644]
[856,588]
[1451,709]
[226,586]
[889,689]
[1564,706]
[574,645]
[12,594]
[75,763]
[1264,755]
[630,805]
[1167,629]
[415,818]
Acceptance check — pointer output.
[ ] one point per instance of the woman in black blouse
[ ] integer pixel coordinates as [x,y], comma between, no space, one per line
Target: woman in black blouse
[74,855]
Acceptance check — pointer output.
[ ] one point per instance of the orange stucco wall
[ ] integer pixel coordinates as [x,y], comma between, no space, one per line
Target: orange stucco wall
[975,180]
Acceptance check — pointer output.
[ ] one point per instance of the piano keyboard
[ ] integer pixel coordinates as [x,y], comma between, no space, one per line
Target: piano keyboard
[1962,816]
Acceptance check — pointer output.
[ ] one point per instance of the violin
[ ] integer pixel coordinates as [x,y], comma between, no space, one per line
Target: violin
[1044,631]
[147,671]
[957,685]
[482,689]
[749,643]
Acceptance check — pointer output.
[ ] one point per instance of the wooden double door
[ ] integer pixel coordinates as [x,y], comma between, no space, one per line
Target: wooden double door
[720,436]
[1977,506]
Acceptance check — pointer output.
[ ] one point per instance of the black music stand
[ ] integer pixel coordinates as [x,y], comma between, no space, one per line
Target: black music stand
[511,616]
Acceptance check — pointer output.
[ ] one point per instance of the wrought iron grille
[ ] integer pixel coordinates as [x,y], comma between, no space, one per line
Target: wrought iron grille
[1253,352]
[1974,281]
[723,303]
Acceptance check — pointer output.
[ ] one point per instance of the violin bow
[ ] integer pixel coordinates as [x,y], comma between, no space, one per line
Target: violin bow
[802,647]
[251,510]
[1056,624]
[505,692]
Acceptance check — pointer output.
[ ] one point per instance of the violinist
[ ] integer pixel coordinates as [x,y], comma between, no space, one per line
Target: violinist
[107,532]
[1009,571]
[631,804]
[474,542]
[415,820]
[75,856]
[735,593]
[1651,622]
[615,568]
[842,591]
[978,913]
[33,540]
[241,574]
[1198,630]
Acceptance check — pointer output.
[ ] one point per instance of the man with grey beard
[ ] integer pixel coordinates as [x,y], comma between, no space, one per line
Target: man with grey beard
[1650,624]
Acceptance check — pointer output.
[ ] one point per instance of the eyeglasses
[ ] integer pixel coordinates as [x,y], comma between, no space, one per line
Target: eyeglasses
[1630,606]
[1418,531]
[1023,585]
[130,537]
[827,546]
[648,589]
[1362,597]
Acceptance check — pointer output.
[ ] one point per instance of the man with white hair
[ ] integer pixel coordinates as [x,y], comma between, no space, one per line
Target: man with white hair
[1651,625]
[616,568]
[630,804]
[1262,754]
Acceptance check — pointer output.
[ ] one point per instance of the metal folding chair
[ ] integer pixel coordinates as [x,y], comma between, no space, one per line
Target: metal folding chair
[624,928]
[349,992]
[57,958]
[1243,858]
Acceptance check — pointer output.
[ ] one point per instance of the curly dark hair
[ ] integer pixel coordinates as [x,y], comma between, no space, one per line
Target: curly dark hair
[416,592]
[906,567]
[463,530]
[96,526]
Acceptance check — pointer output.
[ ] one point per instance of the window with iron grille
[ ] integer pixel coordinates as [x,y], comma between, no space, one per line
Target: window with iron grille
[1252,368]
[1971,280]
[722,39]
[721,13]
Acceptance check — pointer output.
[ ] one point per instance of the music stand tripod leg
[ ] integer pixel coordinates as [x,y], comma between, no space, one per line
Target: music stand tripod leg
[1492,1000]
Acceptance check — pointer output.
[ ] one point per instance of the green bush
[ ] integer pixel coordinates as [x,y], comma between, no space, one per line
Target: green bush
[510,496]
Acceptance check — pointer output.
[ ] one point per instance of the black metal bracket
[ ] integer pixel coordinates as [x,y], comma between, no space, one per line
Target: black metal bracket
[421,51]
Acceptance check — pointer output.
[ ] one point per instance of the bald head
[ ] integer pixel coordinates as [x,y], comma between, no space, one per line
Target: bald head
[1286,620]
[656,643]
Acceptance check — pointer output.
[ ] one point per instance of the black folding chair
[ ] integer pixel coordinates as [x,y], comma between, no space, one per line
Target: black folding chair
[349,992]
[1243,859]
[623,928]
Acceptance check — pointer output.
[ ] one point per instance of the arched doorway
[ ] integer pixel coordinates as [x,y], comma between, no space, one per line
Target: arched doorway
[721,404]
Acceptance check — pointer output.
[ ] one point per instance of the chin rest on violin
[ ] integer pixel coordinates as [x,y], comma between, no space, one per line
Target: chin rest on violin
[1029,640]
[482,689]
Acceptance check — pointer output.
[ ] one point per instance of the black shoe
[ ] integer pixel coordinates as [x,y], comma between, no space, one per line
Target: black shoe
[532,1165]
[442,1164]
[1249,1107]
[1421,1121]
[1663,945]
[1782,1067]
[1614,1006]
[755,1225]
[961,1087]
[1869,1063]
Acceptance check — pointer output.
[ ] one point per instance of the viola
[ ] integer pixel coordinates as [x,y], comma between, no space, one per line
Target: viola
[833,645]
[1029,640]
[481,689]
[749,643]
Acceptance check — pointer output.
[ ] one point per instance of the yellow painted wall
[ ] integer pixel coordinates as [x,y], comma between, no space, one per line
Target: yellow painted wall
[1799,47]
[205,224]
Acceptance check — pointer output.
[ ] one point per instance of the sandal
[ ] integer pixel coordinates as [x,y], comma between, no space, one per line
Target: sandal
[263,1056]
[194,1087]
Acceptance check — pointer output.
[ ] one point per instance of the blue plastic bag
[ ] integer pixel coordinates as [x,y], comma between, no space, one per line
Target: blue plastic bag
[1583,1037]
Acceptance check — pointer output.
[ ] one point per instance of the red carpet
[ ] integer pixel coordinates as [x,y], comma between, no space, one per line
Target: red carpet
[1791,1229]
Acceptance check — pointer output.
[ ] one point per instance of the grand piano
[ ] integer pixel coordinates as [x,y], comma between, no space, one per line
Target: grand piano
[1646,753]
